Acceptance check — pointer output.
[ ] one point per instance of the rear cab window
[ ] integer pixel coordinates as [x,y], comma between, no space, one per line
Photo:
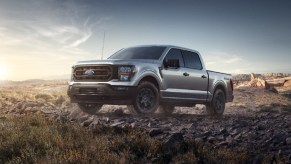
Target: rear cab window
[191,60]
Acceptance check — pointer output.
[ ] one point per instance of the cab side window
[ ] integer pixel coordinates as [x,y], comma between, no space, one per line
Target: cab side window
[175,54]
[192,60]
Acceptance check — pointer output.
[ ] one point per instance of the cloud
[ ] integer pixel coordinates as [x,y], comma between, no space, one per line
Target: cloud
[66,35]
[222,57]
[84,35]
[38,34]
[87,31]
[232,59]
[49,36]
[5,40]
[225,62]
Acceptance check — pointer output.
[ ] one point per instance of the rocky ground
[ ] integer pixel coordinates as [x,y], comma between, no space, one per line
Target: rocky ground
[257,122]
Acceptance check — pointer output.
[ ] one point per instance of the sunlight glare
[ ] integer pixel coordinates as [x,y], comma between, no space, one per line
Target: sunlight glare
[3,72]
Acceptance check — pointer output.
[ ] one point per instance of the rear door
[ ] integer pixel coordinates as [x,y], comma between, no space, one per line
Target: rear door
[196,78]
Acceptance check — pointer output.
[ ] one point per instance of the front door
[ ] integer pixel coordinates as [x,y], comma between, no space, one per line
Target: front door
[189,81]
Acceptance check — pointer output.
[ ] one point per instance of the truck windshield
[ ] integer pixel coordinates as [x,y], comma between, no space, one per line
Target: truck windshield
[153,53]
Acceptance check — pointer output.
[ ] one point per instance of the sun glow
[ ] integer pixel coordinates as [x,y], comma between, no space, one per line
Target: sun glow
[3,72]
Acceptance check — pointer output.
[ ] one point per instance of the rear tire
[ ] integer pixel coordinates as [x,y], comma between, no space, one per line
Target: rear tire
[90,108]
[146,99]
[217,105]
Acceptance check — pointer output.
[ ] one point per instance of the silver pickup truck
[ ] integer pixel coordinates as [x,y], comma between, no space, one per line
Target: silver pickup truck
[148,78]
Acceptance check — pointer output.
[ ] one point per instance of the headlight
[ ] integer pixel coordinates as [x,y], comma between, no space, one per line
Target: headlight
[125,73]
[72,74]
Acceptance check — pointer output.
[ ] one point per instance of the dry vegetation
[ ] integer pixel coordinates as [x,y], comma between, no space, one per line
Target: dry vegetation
[30,136]
[36,139]
[33,97]
[254,99]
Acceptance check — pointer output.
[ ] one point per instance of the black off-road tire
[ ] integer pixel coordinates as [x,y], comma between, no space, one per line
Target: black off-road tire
[90,108]
[146,99]
[217,105]
[166,109]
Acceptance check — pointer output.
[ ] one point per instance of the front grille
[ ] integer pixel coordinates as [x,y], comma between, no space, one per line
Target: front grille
[93,73]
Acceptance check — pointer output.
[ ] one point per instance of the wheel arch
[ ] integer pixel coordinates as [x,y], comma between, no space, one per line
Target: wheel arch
[221,86]
[150,79]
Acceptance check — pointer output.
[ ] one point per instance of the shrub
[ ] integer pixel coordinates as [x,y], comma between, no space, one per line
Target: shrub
[44,96]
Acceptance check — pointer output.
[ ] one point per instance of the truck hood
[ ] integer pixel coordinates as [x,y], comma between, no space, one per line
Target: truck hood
[115,62]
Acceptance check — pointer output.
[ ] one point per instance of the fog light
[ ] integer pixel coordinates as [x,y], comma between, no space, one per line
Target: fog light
[121,88]
[124,77]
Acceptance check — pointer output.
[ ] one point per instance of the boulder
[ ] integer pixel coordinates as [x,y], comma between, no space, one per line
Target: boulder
[261,82]
[281,90]
[287,83]
[253,82]
[253,76]
[78,115]
[173,139]
[116,124]
[155,131]
[118,112]
[288,141]
[270,84]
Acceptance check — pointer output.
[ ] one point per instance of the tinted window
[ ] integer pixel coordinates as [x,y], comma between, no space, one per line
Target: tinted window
[139,53]
[192,60]
[175,54]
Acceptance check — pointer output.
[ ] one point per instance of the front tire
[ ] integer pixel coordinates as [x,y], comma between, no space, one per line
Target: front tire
[146,99]
[217,105]
[90,108]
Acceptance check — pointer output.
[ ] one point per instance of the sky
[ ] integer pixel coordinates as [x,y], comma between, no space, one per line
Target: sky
[44,38]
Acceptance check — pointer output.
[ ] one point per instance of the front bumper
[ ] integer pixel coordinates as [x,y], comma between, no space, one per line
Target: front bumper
[101,93]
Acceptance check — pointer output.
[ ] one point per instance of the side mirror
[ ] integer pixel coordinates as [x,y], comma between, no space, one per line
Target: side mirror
[172,63]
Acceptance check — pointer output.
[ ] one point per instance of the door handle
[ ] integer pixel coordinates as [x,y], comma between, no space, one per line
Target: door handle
[186,74]
[203,76]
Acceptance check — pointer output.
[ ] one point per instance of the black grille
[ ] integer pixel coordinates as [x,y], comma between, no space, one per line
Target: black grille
[93,73]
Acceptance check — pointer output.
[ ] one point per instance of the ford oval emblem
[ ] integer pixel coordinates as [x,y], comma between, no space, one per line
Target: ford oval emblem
[89,72]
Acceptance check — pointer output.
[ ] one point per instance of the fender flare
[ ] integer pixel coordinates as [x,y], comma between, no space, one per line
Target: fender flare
[149,73]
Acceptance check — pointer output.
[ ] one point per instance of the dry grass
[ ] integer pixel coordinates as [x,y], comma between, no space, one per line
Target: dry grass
[35,139]
[259,100]
[40,97]
[31,138]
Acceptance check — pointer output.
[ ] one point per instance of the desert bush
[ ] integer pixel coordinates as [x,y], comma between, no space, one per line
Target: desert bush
[44,96]
[286,109]
[268,109]
[60,100]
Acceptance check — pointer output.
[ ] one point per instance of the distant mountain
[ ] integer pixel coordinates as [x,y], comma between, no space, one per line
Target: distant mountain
[264,75]
[58,77]
[34,80]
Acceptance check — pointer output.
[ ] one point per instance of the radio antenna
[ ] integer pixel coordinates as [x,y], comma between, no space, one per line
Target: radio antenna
[103,45]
